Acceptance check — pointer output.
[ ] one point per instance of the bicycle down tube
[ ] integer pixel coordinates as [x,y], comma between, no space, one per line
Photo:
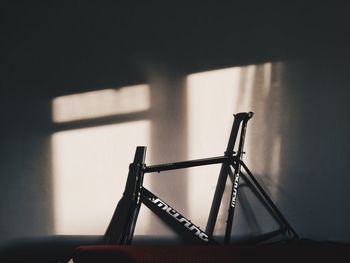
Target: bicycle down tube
[174,219]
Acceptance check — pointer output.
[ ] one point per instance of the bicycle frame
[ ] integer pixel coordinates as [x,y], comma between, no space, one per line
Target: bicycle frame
[122,226]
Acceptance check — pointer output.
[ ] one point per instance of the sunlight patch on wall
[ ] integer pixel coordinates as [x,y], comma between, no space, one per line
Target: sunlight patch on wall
[213,98]
[275,163]
[90,170]
[101,103]
[246,89]
[267,79]
[211,103]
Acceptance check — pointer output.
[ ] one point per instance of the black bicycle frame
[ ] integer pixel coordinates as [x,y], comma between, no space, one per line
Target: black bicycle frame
[122,226]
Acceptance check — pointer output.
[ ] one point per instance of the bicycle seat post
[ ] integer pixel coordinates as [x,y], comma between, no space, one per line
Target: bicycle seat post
[224,171]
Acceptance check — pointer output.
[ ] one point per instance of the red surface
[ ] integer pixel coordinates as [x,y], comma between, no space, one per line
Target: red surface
[296,252]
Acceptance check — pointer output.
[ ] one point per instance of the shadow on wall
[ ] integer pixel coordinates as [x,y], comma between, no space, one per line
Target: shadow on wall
[25,168]
[315,156]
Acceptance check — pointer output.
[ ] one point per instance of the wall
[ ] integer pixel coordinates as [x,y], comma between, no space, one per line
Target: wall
[297,147]
[286,63]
